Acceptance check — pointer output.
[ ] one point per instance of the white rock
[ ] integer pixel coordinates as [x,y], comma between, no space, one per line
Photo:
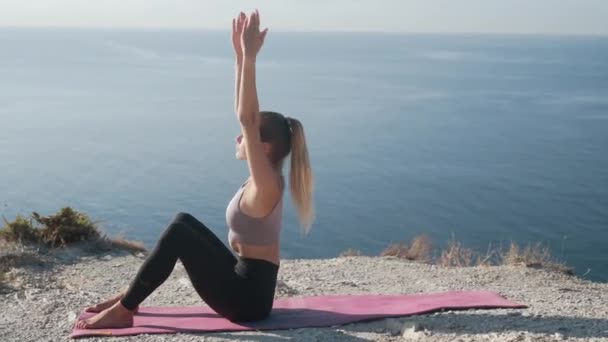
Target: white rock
[184,281]
[71,317]
[410,331]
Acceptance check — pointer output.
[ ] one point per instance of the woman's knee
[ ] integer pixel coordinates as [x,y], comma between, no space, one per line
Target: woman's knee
[182,217]
[176,227]
[189,221]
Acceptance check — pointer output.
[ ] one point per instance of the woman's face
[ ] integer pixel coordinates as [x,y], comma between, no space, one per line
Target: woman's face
[241,153]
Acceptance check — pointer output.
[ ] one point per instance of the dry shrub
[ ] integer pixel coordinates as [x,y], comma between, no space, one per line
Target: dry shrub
[396,249]
[66,227]
[456,255]
[106,243]
[493,257]
[20,230]
[418,250]
[534,255]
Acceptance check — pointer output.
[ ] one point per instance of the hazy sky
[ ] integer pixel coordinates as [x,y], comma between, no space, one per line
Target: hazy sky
[512,16]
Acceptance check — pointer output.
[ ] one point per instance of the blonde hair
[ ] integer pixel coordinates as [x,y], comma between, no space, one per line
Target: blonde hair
[300,176]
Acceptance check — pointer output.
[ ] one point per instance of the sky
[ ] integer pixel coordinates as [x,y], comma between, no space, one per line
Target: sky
[562,17]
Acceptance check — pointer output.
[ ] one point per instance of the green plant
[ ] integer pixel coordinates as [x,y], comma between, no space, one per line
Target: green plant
[65,227]
[20,230]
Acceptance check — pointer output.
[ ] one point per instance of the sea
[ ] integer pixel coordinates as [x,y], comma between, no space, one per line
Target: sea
[483,139]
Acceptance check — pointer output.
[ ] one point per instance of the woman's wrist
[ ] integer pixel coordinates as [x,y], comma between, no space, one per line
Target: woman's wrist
[249,59]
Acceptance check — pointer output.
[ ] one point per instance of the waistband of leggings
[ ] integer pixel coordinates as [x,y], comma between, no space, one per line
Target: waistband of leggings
[260,263]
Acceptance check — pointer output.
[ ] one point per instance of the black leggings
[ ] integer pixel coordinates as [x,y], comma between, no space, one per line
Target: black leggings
[237,288]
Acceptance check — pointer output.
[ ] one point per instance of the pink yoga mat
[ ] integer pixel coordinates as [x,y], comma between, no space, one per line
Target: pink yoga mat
[301,312]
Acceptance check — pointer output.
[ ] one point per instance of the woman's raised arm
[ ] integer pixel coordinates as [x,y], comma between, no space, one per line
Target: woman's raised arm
[260,167]
[238,23]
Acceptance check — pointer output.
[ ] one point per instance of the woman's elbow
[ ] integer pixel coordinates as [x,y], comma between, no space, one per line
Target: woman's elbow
[248,119]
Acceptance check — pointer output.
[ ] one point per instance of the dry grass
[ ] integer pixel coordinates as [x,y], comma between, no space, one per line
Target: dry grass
[534,255]
[396,250]
[456,255]
[351,252]
[418,250]
[108,243]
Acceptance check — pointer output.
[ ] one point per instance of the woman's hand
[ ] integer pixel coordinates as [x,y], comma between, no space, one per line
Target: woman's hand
[251,37]
[238,23]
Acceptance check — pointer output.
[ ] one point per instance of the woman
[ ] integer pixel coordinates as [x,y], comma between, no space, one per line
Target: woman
[238,284]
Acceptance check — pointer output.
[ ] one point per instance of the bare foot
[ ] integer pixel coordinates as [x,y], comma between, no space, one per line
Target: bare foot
[117,316]
[107,303]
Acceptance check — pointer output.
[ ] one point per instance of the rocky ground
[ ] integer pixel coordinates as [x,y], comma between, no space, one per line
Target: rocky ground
[42,294]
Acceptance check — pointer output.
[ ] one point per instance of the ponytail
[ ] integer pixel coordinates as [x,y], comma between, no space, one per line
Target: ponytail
[300,176]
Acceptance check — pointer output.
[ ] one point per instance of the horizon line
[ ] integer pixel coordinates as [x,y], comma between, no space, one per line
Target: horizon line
[183,28]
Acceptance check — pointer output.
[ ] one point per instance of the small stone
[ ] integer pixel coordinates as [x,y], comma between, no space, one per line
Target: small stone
[139,255]
[45,321]
[107,257]
[29,294]
[349,283]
